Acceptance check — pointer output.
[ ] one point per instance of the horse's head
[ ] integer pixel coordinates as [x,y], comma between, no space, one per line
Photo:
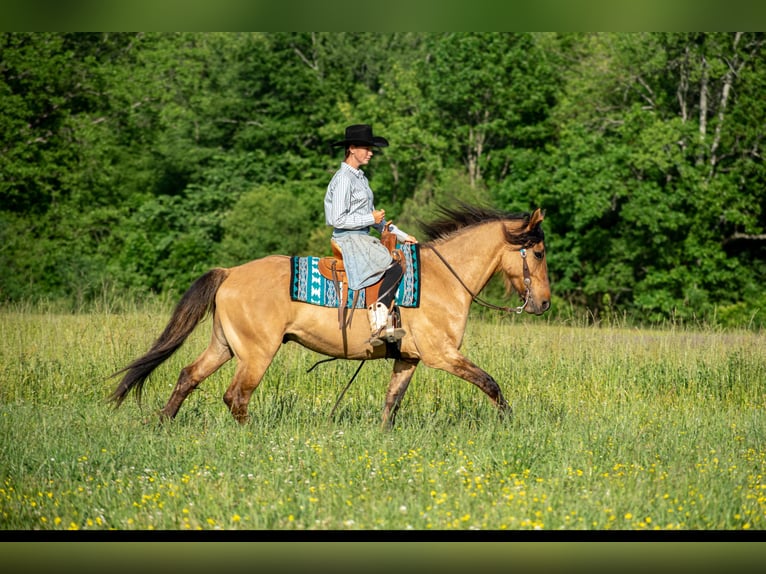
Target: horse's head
[524,265]
[522,249]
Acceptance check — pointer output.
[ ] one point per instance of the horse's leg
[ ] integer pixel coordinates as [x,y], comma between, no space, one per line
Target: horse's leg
[216,354]
[454,362]
[400,380]
[247,377]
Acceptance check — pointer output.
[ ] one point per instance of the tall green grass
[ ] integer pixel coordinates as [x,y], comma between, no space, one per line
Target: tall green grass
[612,428]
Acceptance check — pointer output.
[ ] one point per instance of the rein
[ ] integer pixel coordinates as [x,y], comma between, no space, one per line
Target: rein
[475,297]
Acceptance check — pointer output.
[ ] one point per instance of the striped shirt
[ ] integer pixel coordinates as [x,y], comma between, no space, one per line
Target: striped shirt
[348,207]
[349,203]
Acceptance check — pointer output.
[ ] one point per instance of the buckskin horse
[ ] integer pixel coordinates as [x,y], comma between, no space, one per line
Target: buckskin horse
[253,312]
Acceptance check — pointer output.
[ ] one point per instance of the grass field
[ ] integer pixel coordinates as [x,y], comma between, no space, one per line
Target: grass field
[612,429]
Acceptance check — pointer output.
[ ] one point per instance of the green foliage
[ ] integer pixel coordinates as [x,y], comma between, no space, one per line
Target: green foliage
[266,221]
[170,240]
[491,92]
[135,161]
[452,185]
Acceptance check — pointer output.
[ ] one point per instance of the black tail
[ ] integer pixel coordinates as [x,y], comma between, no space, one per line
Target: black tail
[195,304]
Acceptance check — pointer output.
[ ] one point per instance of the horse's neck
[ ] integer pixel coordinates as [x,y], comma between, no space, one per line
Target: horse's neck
[474,255]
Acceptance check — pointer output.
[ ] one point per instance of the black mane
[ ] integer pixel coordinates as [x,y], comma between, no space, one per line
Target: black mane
[463,215]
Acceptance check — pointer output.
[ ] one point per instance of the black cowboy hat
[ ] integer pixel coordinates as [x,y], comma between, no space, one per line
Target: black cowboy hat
[361,134]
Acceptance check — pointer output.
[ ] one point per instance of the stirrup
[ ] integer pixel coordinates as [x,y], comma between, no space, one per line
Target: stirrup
[376,340]
[387,334]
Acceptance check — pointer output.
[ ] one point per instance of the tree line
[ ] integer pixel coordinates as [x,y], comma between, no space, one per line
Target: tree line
[136,161]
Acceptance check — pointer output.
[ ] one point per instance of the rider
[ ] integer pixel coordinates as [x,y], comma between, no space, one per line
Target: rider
[349,209]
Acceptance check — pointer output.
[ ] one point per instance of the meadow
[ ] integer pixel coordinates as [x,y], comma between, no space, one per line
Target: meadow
[613,428]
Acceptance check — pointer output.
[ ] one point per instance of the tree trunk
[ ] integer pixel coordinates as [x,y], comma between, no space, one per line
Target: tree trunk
[703,99]
[728,80]
[683,86]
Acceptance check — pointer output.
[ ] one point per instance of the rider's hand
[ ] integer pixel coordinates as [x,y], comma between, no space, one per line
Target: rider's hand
[378,215]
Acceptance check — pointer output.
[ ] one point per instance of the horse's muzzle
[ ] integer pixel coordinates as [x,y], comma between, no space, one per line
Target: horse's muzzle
[538,308]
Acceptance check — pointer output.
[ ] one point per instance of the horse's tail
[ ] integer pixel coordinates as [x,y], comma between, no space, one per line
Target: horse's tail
[196,303]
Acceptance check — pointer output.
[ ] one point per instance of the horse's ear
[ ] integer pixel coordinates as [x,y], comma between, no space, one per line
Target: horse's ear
[535,219]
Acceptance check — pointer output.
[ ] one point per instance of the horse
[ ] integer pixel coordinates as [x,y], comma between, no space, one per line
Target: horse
[253,313]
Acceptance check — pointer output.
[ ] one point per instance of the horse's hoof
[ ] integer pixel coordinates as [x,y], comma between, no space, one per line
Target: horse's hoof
[160,417]
[242,420]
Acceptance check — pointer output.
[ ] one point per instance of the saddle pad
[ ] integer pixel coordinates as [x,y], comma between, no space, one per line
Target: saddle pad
[307,285]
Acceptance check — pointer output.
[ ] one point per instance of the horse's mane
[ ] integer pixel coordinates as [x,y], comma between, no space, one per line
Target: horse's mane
[462,216]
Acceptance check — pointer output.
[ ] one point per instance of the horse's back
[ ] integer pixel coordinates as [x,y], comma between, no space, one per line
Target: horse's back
[265,279]
[257,270]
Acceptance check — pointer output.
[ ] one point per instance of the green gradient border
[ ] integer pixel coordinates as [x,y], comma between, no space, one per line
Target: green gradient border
[371,558]
[392,15]
[383,16]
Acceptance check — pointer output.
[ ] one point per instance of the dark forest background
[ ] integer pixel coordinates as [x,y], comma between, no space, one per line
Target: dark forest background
[130,163]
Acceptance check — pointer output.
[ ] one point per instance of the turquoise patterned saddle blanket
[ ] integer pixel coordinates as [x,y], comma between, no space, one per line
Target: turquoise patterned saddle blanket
[307,285]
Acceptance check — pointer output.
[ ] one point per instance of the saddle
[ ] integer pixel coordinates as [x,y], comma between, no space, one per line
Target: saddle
[332,268]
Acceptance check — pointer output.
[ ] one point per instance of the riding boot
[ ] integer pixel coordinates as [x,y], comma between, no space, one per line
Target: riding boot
[382,325]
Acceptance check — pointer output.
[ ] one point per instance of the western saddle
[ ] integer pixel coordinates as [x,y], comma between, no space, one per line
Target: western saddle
[332,268]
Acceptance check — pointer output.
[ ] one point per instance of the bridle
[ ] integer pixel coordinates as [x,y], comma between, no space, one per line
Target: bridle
[475,297]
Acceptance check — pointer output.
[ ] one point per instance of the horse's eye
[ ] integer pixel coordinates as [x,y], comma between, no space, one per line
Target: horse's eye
[539,255]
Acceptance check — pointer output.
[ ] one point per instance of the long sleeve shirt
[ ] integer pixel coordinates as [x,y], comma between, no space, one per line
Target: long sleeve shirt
[349,203]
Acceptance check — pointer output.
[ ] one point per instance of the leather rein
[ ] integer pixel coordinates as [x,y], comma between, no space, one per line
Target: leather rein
[475,297]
